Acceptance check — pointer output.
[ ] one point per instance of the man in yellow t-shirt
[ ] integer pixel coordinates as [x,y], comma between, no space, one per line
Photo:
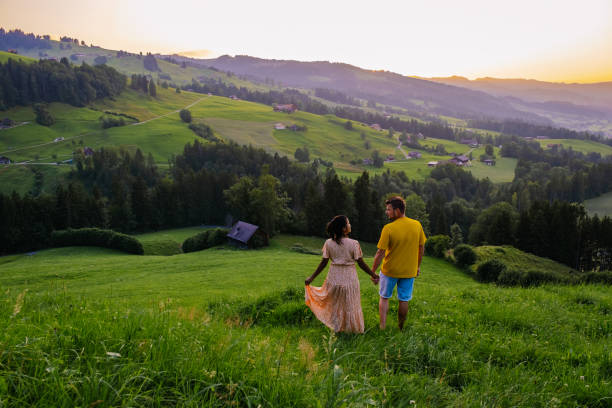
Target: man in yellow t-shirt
[400,248]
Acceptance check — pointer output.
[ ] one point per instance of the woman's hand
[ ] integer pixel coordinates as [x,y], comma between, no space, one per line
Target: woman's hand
[308,280]
[374,278]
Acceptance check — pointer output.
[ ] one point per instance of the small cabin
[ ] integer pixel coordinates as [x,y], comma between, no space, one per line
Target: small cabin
[287,108]
[5,160]
[279,126]
[489,162]
[432,163]
[245,235]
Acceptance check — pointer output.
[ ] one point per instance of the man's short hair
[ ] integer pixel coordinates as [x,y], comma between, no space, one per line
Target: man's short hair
[397,202]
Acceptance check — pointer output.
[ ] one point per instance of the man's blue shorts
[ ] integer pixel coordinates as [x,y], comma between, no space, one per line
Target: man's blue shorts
[404,287]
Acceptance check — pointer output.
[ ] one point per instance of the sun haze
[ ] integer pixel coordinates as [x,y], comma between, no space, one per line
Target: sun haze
[537,39]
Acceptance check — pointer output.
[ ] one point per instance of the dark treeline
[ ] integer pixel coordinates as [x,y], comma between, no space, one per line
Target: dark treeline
[536,181]
[210,182]
[126,192]
[524,129]
[557,230]
[51,81]
[13,39]
[336,96]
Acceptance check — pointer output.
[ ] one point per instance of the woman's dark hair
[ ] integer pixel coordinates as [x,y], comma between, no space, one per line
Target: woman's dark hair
[335,228]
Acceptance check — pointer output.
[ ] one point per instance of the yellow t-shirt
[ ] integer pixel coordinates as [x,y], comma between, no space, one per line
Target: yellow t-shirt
[401,240]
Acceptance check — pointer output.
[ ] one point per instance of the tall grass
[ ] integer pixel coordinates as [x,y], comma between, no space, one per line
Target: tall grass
[224,327]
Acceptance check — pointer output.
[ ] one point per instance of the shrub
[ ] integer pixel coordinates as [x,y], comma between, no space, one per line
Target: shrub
[490,270]
[185,115]
[464,255]
[205,239]
[97,237]
[597,277]
[43,116]
[510,277]
[437,245]
[531,278]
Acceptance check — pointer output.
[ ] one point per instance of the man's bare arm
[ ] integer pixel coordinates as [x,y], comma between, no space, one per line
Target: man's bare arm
[380,254]
[421,252]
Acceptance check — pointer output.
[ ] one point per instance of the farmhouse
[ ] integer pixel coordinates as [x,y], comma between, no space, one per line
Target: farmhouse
[88,151]
[432,163]
[390,157]
[460,160]
[375,126]
[279,126]
[368,162]
[234,97]
[5,160]
[58,139]
[242,234]
[414,155]
[489,162]
[288,108]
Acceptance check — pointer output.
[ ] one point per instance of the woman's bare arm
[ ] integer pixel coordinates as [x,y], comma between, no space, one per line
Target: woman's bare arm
[366,269]
[321,266]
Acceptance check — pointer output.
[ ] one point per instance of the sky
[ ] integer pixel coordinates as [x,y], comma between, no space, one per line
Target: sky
[549,40]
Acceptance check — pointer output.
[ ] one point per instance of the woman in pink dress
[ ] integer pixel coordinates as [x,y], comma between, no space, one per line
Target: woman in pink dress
[338,302]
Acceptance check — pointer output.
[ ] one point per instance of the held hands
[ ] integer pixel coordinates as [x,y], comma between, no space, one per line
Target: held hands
[375,278]
[308,280]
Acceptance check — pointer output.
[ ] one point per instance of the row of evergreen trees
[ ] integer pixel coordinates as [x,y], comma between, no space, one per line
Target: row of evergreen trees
[24,83]
[14,39]
[209,182]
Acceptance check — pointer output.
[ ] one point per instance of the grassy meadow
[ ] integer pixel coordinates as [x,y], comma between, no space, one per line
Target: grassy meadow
[601,205]
[584,146]
[226,327]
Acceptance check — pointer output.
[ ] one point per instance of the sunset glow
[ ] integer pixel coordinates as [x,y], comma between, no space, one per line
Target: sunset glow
[538,39]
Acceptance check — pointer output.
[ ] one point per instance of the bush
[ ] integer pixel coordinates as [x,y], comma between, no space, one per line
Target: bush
[510,277]
[205,239]
[532,278]
[464,255]
[437,245]
[185,115]
[43,116]
[97,237]
[490,270]
[597,277]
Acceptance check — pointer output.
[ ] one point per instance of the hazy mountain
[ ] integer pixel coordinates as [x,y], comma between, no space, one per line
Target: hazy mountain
[380,86]
[598,96]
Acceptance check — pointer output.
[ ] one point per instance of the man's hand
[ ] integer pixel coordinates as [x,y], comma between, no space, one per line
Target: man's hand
[375,279]
[308,280]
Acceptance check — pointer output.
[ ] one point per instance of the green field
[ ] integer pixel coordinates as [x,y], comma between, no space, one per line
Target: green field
[5,56]
[601,205]
[584,146]
[224,327]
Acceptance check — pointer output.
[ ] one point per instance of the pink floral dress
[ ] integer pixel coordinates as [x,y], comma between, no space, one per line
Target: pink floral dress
[338,302]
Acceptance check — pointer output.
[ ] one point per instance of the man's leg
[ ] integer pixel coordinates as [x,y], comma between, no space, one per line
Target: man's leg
[383,307]
[402,311]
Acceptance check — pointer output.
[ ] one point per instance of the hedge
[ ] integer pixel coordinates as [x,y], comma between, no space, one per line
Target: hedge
[205,239]
[97,237]
[437,245]
[490,270]
[464,255]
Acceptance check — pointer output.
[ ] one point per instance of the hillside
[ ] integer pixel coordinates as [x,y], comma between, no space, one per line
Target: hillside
[575,106]
[230,327]
[380,86]
[163,134]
